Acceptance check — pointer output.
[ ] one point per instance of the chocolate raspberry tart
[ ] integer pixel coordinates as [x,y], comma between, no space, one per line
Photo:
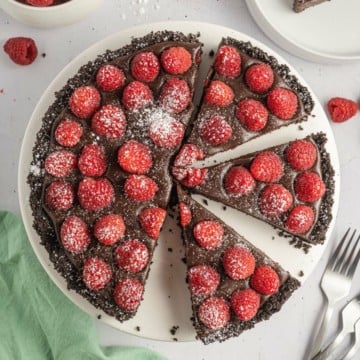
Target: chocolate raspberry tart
[301,5]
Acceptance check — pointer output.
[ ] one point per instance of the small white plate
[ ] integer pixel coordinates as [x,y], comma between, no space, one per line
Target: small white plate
[166,300]
[328,33]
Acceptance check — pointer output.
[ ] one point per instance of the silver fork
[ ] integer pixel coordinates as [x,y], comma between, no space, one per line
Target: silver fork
[336,281]
[356,347]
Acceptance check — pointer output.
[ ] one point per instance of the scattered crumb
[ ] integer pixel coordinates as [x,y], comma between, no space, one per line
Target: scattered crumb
[43,55]
[170,249]
[137,328]
[171,230]
[301,273]
[174,329]
[183,259]
[273,238]
[1,91]
[205,202]
[171,265]
[175,339]
[224,208]
[211,53]
[300,127]
[99,317]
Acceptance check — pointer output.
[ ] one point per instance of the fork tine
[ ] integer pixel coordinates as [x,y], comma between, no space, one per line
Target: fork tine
[355,260]
[340,257]
[338,250]
[350,248]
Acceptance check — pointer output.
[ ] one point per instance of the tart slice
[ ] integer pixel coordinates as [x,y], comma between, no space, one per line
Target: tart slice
[233,284]
[301,5]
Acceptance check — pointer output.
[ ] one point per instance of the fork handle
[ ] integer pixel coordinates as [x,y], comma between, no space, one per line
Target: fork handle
[324,354]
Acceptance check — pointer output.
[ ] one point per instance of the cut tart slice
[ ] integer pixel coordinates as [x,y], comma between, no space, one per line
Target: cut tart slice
[301,5]
[233,284]
[289,186]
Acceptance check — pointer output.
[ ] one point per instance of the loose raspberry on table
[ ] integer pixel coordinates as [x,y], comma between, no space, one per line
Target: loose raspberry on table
[74,235]
[245,303]
[300,219]
[265,280]
[140,188]
[259,78]
[40,2]
[189,177]
[60,163]
[283,103]
[21,50]
[109,229]
[208,234]
[128,294]
[309,187]
[175,95]
[145,66]
[68,133]
[274,200]
[203,280]
[228,62]
[238,263]
[92,160]
[135,158]
[110,78]
[185,214]
[151,221]
[166,132]
[218,94]
[176,60]
[188,154]
[341,109]
[301,155]
[59,195]
[136,95]
[96,273]
[84,101]
[267,167]
[132,256]
[252,114]
[215,130]
[239,181]
[214,312]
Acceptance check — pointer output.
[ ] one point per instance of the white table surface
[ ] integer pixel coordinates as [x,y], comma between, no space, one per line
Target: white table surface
[287,334]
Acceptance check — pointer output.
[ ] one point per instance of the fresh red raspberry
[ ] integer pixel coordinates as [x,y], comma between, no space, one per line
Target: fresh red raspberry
[68,133]
[84,101]
[74,235]
[238,263]
[245,303]
[166,132]
[175,96]
[59,195]
[275,199]
[208,234]
[259,78]
[110,78]
[252,114]
[203,280]
[215,130]
[214,312]
[132,256]
[283,103]
[151,220]
[96,273]
[40,2]
[300,219]
[140,188]
[92,161]
[187,155]
[309,187]
[185,214]
[176,60]
[267,167]
[128,294]
[136,95]
[301,155]
[341,109]
[189,177]
[109,121]
[109,229]
[218,94]
[60,163]
[239,181]
[145,66]
[228,62]
[95,195]
[265,280]
[135,158]
[21,50]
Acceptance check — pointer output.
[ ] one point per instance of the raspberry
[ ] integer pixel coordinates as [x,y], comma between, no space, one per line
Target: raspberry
[267,167]
[151,220]
[301,155]
[59,195]
[84,101]
[187,155]
[259,78]
[215,130]
[309,187]
[128,294]
[140,188]
[145,67]
[136,95]
[341,109]
[109,229]
[265,280]
[135,158]
[40,2]
[109,121]
[110,78]
[95,195]
[239,181]
[300,219]
[283,103]
[60,163]
[208,234]
[74,235]
[175,96]
[176,60]
[203,280]
[228,62]
[275,200]
[185,214]
[21,50]
[189,177]
[132,256]
[96,273]
[238,263]
[252,114]
[245,303]
[166,132]
[218,94]
[92,161]
[68,133]
[214,313]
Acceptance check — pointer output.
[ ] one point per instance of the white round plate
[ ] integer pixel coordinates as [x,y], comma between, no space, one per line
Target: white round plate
[328,32]
[166,300]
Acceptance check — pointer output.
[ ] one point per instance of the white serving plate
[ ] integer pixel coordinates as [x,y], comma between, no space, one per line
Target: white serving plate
[166,299]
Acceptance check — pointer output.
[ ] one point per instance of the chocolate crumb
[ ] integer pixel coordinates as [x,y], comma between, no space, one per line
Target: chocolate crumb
[211,53]
[175,339]
[183,259]
[174,329]
[205,202]
[99,317]
[137,328]
[301,273]
[224,208]
[43,55]
[170,230]
[170,249]
[300,127]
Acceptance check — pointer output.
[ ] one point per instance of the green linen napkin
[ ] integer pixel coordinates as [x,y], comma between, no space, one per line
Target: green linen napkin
[37,321]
